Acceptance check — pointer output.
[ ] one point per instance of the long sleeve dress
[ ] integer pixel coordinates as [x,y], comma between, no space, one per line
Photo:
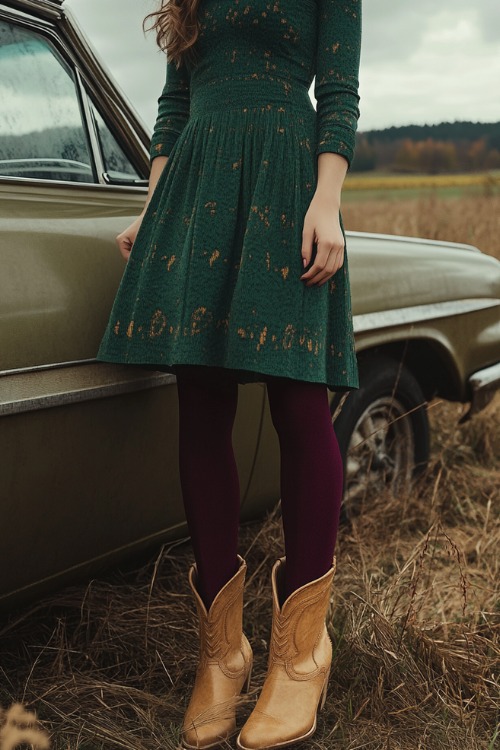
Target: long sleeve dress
[213,277]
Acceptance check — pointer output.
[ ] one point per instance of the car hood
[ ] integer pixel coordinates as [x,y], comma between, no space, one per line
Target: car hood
[389,272]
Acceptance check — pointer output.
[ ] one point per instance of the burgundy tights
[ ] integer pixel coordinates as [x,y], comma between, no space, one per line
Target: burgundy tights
[311,474]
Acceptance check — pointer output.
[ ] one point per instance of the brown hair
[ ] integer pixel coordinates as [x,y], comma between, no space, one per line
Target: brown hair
[177,29]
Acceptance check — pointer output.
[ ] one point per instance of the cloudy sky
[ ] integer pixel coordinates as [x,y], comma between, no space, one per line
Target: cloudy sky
[438,60]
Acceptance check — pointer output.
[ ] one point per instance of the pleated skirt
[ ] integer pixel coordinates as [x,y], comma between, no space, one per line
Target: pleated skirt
[213,277]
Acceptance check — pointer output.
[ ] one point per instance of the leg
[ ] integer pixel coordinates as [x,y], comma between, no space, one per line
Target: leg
[208,398]
[300,648]
[311,477]
[208,472]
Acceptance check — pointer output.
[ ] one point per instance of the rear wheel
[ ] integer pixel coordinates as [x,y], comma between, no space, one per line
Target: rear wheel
[382,429]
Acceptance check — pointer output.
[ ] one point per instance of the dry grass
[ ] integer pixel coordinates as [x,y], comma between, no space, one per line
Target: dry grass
[415,623]
[471,219]
[489,181]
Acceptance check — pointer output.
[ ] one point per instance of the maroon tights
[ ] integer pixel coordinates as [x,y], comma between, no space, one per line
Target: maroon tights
[311,474]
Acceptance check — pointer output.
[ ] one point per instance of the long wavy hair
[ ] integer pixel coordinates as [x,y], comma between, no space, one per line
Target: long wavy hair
[177,29]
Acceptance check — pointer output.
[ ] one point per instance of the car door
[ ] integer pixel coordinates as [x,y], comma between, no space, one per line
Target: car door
[88,450]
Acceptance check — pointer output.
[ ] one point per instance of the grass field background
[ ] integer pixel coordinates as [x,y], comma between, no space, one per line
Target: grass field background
[415,618]
[361,186]
[464,215]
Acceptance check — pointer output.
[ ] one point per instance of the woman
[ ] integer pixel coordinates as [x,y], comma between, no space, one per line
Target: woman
[237,272]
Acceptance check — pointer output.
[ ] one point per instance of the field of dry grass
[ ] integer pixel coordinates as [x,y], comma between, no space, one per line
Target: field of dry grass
[485,181]
[382,185]
[470,218]
[415,616]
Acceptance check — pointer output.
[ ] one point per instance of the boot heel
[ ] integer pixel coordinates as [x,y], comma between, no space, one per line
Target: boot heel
[324,692]
[246,684]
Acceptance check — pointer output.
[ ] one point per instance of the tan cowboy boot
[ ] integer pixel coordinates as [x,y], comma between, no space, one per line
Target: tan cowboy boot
[300,656]
[224,667]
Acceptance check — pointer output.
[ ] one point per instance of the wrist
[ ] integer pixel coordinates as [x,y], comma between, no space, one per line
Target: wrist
[332,169]
[328,195]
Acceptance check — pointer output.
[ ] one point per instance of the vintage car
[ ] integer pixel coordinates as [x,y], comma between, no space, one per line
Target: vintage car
[89,455]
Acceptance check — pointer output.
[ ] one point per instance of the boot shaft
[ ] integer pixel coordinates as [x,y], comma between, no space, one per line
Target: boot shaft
[220,627]
[299,636]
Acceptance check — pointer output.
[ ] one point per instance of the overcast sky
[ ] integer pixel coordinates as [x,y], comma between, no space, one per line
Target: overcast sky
[425,62]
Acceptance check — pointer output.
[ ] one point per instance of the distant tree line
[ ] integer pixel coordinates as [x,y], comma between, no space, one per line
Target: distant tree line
[431,149]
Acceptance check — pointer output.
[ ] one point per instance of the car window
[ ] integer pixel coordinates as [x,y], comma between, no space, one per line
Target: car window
[41,129]
[116,163]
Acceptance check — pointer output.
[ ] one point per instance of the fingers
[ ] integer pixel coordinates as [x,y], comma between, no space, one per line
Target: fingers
[125,240]
[307,243]
[332,266]
[329,258]
[124,244]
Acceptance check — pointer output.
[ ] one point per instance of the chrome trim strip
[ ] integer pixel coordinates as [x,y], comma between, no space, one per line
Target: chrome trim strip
[483,384]
[419,313]
[38,182]
[90,126]
[37,7]
[8,408]
[415,240]
[50,366]
[486,378]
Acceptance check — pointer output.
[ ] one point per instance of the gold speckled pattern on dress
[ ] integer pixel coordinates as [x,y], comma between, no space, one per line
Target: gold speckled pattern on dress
[214,274]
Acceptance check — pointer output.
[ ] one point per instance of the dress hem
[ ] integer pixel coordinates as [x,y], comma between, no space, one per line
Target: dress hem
[245,375]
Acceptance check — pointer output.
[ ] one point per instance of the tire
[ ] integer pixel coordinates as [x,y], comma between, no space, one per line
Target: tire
[382,430]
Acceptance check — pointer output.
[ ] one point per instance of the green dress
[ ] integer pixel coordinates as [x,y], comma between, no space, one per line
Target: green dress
[214,273]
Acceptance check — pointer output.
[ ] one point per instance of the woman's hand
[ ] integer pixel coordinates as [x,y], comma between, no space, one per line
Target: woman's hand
[125,240]
[322,221]
[322,226]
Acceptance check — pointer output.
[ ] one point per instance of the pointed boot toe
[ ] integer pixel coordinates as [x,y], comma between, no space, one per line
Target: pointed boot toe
[206,731]
[260,731]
